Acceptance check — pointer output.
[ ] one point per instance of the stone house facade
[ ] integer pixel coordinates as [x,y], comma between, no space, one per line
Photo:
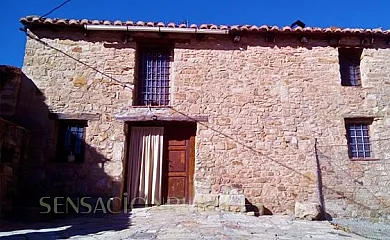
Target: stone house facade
[266,115]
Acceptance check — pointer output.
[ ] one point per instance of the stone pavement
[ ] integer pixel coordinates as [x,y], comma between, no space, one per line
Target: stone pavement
[369,228]
[176,222]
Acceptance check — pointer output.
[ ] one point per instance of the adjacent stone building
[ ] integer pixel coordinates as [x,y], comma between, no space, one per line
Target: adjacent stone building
[14,139]
[211,115]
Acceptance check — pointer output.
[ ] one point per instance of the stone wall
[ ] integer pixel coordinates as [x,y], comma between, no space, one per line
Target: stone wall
[265,103]
[9,89]
[13,145]
[72,91]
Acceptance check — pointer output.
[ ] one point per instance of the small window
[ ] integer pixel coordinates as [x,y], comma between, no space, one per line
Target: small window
[349,59]
[70,143]
[358,138]
[153,77]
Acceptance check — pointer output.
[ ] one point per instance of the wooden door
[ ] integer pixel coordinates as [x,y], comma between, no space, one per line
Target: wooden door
[179,163]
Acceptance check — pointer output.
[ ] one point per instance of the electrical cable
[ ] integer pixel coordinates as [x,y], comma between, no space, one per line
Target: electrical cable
[55,9]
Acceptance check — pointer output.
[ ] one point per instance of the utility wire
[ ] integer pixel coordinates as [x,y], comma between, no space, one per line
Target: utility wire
[344,170]
[130,87]
[31,36]
[280,163]
[24,28]
[55,9]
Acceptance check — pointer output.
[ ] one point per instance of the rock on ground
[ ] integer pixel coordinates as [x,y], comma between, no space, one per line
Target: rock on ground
[309,211]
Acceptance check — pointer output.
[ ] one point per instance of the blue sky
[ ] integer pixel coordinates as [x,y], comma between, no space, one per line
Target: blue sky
[342,13]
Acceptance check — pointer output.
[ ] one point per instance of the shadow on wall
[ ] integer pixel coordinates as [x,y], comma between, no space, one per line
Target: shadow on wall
[13,142]
[325,188]
[359,182]
[63,184]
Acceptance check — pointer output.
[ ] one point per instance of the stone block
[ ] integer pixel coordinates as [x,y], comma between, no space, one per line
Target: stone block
[237,200]
[234,202]
[224,202]
[80,81]
[210,208]
[230,145]
[237,209]
[206,201]
[309,211]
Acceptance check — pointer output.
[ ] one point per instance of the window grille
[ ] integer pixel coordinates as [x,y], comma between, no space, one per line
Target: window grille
[154,78]
[71,141]
[349,60]
[359,140]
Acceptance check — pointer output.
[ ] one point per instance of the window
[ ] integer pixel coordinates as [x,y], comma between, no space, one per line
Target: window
[153,77]
[349,59]
[70,143]
[358,138]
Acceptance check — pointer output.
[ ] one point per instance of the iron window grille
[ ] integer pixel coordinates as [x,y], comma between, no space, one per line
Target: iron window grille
[349,60]
[358,140]
[153,85]
[71,143]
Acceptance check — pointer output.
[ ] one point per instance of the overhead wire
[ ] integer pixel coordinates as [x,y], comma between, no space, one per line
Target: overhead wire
[31,36]
[55,9]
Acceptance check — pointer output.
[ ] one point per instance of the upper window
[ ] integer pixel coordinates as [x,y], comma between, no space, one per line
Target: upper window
[358,139]
[153,77]
[70,142]
[349,59]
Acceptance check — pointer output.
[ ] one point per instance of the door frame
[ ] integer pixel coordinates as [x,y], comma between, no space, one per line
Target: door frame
[191,158]
[191,170]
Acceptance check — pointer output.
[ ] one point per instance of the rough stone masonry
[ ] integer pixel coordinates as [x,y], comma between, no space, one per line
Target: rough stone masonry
[265,103]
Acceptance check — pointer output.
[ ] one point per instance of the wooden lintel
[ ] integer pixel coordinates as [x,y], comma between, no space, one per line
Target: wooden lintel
[141,118]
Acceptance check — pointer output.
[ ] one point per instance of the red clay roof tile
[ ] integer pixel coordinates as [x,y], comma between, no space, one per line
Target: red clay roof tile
[36,20]
[172,25]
